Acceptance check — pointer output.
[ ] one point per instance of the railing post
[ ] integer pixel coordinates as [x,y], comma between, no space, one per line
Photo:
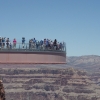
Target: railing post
[19,46]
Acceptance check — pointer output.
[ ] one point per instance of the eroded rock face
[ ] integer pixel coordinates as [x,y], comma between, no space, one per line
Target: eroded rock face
[27,83]
[2,92]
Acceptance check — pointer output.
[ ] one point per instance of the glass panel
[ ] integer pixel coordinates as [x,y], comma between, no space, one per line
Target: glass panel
[33,46]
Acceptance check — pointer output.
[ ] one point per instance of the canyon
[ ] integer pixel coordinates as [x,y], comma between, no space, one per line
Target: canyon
[79,79]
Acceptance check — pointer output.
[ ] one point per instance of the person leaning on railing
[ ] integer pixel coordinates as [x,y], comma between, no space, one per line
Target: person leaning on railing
[31,44]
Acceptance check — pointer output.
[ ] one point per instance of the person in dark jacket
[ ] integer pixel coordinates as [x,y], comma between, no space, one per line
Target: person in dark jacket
[55,44]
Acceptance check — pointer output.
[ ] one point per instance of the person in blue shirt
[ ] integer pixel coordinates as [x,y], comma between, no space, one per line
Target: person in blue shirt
[34,40]
[41,44]
[47,43]
[37,45]
[23,41]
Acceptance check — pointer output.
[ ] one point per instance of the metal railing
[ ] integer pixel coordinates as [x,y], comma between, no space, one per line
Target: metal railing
[32,47]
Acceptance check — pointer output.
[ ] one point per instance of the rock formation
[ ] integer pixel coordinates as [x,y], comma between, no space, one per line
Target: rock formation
[2,92]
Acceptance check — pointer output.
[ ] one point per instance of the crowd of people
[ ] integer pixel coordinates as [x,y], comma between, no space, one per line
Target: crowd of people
[45,44]
[5,42]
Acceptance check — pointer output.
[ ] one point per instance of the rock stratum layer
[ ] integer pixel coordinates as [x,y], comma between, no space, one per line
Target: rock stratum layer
[31,83]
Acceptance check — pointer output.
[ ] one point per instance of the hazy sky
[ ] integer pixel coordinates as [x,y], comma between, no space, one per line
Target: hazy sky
[77,22]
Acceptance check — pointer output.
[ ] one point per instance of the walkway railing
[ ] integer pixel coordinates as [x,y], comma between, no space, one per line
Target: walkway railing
[32,47]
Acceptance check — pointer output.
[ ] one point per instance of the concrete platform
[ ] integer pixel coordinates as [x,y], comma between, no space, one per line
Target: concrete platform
[17,56]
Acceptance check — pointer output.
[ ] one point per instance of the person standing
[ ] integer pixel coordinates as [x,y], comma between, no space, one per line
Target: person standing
[23,42]
[14,43]
[55,44]
[7,42]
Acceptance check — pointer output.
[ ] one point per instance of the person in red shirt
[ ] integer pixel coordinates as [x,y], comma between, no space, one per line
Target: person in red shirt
[14,43]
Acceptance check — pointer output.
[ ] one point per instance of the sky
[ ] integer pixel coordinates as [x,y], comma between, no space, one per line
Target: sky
[77,22]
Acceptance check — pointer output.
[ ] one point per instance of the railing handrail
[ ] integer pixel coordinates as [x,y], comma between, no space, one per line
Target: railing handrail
[32,46]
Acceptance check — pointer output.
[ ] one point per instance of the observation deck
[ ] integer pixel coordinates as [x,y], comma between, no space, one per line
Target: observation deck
[24,54]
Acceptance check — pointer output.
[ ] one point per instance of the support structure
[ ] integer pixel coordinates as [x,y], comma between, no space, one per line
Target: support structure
[32,57]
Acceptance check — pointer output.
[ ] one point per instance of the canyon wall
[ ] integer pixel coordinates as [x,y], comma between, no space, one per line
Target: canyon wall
[31,83]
